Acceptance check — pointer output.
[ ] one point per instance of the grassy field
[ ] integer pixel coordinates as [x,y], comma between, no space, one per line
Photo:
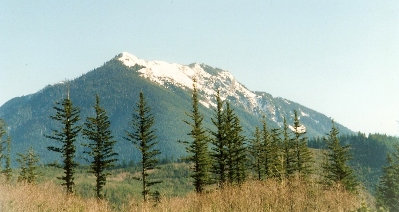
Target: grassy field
[269,195]
[122,185]
[123,193]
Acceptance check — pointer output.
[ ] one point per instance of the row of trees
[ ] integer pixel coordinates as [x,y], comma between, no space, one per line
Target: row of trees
[99,147]
[222,155]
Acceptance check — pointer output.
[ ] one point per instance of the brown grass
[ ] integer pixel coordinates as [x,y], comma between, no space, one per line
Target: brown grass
[45,197]
[270,195]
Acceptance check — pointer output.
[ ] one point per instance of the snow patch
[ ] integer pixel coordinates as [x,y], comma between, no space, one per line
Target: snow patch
[304,114]
[164,73]
[300,129]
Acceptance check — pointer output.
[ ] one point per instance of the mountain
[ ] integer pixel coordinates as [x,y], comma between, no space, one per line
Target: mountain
[167,88]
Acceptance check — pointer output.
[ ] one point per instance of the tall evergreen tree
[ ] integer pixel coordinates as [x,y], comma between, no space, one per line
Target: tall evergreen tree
[240,151]
[336,168]
[388,187]
[303,157]
[219,154]
[287,148]
[7,169]
[197,150]
[256,151]
[5,151]
[100,148]
[28,163]
[3,141]
[276,162]
[143,137]
[228,125]
[266,143]
[235,148]
[68,116]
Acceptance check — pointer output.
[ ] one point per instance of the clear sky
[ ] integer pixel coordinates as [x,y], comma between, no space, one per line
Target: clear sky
[338,57]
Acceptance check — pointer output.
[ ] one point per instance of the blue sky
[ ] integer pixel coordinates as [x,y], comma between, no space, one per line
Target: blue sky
[338,57]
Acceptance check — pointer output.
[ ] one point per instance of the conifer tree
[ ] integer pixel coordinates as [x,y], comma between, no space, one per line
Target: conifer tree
[235,148]
[100,148]
[219,154]
[303,157]
[266,142]
[240,152]
[287,148]
[5,145]
[198,149]
[276,162]
[143,137]
[28,164]
[2,141]
[255,150]
[388,187]
[67,115]
[336,169]
[8,170]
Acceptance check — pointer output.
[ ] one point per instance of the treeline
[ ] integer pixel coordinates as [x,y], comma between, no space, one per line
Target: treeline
[222,155]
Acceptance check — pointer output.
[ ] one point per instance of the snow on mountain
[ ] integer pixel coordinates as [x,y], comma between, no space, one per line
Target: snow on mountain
[208,81]
[165,73]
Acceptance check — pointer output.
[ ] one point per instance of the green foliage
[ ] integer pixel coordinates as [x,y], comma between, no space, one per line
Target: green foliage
[368,154]
[143,136]
[303,163]
[3,141]
[219,153]
[288,156]
[235,149]
[7,169]
[256,150]
[100,149]
[336,168]
[388,187]
[5,152]
[197,150]
[266,153]
[276,160]
[67,115]
[28,164]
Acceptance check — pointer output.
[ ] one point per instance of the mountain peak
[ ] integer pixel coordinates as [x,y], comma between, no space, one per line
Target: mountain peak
[130,60]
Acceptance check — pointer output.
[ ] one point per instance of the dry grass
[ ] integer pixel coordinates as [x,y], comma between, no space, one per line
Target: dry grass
[295,195]
[45,197]
[271,195]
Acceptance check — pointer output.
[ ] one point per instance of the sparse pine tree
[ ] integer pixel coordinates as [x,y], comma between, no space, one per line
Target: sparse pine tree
[28,163]
[287,148]
[219,154]
[100,148]
[7,169]
[198,149]
[303,157]
[336,169]
[143,137]
[255,150]
[388,187]
[3,141]
[68,116]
